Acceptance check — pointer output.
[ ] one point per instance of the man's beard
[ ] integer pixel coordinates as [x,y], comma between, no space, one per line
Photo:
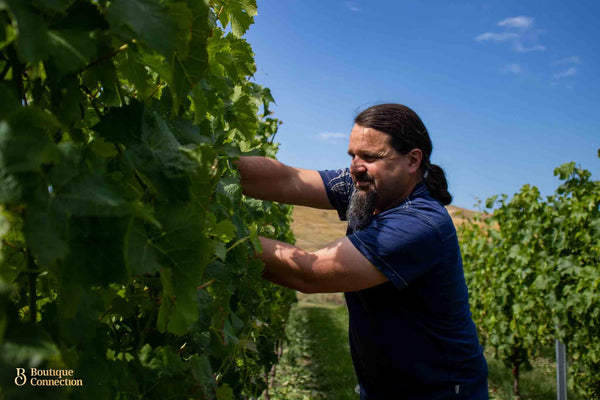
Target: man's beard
[360,209]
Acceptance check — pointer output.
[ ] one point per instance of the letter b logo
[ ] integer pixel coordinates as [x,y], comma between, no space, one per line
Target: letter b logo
[21,378]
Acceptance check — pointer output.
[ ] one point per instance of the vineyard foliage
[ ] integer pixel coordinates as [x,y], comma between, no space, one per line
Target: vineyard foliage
[127,246]
[533,270]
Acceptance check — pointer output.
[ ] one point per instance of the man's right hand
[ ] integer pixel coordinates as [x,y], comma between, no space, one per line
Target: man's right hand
[268,179]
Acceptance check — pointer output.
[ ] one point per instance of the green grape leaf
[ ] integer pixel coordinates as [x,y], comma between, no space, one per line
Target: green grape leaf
[182,316]
[163,361]
[31,349]
[142,256]
[220,249]
[133,70]
[564,170]
[96,251]
[10,99]
[240,13]
[71,50]
[8,33]
[189,135]
[157,28]
[489,203]
[191,61]
[102,76]
[224,392]
[24,142]
[67,107]
[231,57]
[202,372]
[58,6]
[231,187]
[161,157]
[122,124]
[11,189]
[32,39]
[186,249]
[44,229]
[224,231]
[176,312]
[254,238]
[241,114]
[200,104]
[91,195]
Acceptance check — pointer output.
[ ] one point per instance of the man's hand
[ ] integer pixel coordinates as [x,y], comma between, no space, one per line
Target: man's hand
[268,179]
[338,267]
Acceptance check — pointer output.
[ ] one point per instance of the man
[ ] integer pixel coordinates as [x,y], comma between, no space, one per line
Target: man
[411,333]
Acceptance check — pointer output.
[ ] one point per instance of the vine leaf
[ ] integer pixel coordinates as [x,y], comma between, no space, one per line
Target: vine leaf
[240,13]
[24,140]
[158,29]
[32,40]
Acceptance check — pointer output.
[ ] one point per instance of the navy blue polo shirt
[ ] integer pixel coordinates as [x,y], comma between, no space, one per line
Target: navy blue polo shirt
[411,337]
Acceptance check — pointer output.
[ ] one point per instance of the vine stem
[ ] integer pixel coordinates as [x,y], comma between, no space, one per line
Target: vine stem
[92,100]
[105,58]
[515,373]
[109,309]
[159,86]
[267,395]
[204,285]
[5,70]
[14,246]
[137,174]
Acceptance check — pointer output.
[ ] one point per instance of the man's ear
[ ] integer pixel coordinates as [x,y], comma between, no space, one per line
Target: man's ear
[415,156]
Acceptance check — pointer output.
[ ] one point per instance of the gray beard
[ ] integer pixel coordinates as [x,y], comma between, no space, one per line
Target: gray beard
[360,209]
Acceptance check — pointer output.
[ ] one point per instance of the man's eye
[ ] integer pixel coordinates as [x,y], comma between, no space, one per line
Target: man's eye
[365,157]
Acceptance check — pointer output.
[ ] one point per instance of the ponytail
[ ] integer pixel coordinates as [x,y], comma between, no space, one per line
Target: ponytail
[435,180]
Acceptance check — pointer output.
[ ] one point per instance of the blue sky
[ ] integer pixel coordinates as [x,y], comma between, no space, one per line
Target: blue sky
[508,90]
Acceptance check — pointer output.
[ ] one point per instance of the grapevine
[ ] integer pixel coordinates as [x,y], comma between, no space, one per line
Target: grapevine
[533,271]
[126,250]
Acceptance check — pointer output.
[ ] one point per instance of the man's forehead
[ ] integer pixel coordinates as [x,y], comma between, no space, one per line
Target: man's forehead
[362,136]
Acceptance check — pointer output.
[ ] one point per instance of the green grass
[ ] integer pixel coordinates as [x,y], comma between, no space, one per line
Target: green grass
[537,384]
[316,362]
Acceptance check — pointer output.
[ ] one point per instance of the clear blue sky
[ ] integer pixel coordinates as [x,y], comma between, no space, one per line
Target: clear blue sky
[508,90]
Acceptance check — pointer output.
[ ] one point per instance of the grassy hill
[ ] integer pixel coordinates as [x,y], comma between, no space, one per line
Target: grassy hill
[315,228]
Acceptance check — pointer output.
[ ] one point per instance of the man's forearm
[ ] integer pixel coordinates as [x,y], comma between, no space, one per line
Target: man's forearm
[337,267]
[258,175]
[285,264]
[268,179]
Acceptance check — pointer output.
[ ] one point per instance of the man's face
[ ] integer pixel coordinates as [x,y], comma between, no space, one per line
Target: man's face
[378,170]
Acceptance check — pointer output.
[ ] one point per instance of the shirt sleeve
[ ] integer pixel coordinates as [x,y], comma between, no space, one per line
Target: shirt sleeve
[338,184]
[403,246]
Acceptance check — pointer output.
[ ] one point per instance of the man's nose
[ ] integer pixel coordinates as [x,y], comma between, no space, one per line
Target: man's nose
[357,166]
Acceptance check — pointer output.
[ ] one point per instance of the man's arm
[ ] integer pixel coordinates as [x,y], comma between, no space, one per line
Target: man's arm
[268,179]
[338,267]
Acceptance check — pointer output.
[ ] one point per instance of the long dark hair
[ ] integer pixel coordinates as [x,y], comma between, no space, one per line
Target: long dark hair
[408,132]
